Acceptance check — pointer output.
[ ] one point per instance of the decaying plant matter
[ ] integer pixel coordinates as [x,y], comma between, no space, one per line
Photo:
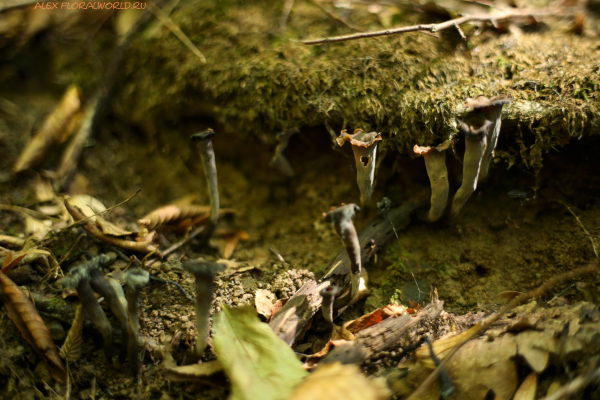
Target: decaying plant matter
[364,146]
[135,279]
[435,162]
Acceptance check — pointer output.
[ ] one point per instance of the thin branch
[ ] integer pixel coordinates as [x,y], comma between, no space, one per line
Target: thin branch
[164,18]
[556,280]
[177,245]
[433,27]
[462,34]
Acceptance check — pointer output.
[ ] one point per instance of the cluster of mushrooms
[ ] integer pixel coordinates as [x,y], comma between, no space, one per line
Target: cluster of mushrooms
[481,128]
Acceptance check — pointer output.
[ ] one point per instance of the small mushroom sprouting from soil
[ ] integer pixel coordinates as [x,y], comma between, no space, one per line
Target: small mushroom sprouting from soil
[205,147]
[476,128]
[328,295]
[79,279]
[342,221]
[136,278]
[492,108]
[101,286]
[364,146]
[204,273]
[435,162]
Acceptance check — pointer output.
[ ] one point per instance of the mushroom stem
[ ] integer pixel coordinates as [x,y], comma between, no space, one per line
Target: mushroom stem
[101,286]
[207,155]
[435,162]
[342,221]
[205,273]
[328,295]
[79,278]
[475,130]
[364,146]
[136,278]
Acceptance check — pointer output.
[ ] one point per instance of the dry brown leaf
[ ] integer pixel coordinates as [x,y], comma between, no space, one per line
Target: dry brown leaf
[43,190]
[11,241]
[193,372]
[528,388]
[374,317]
[30,324]
[27,212]
[92,229]
[509,295]
[56,129]
[278,306]
[231,243]
[11,261]
[108,228]
[173,214]
[442,347]
[264,302]
[337,381]
[71,348]
[88,205]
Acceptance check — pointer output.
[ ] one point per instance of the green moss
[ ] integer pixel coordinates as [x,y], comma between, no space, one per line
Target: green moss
[257,81]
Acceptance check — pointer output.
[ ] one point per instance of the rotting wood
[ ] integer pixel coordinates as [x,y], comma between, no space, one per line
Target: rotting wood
[290,321]
[380,337]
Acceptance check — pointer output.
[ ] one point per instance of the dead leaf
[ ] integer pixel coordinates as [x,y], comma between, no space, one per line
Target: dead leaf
[264,302]
[337,381]
[231,243]
[30,324]
[11,261]
[173,214]
[278,306]
[509,295]
[43,190]
[528,388]
[375,317]
[11,241]
[258,363]
[71,348]
[193,372]
[57,128]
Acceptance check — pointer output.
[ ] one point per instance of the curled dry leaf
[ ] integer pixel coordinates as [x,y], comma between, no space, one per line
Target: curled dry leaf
[22,312]
[11,241]
[91,206]
[91,228]
[11,261]
[264,302]
[259,364]
[375,317]
[528,388]
[173,214]
[231,243]
[56,129]
[193,372]
[338,381]
[71,348]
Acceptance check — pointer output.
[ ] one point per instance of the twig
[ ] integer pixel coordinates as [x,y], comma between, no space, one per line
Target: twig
[462,34]
[177,285]
[335,16]
[558,279]
[432,27]
[575,386]
[582,227]
[83,221]
[177,245]
[287,9]
[166,21]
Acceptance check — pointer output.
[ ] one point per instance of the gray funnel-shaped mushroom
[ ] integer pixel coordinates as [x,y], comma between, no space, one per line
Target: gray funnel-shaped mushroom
[476,127]
[492,108]
[364,146]
[435,162]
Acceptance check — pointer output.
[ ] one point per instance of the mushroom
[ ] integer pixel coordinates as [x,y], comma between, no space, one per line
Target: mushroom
[492,108]
[476,128]
[364,146]
[101,286]
[328,295]
[435,162]
[205,273]
[207,154]
[136,278]
[79,279]
[342,221]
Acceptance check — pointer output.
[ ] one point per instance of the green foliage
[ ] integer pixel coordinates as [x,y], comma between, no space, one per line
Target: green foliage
[258,363]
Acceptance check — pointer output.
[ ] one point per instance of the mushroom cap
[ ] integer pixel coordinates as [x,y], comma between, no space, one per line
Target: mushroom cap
[205,268]
[474,125]
[136,278]
[358,138]
[346,211]
[82,271]
[483,102]
[329,291]
[203,135]
[422,150]
[384,205]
